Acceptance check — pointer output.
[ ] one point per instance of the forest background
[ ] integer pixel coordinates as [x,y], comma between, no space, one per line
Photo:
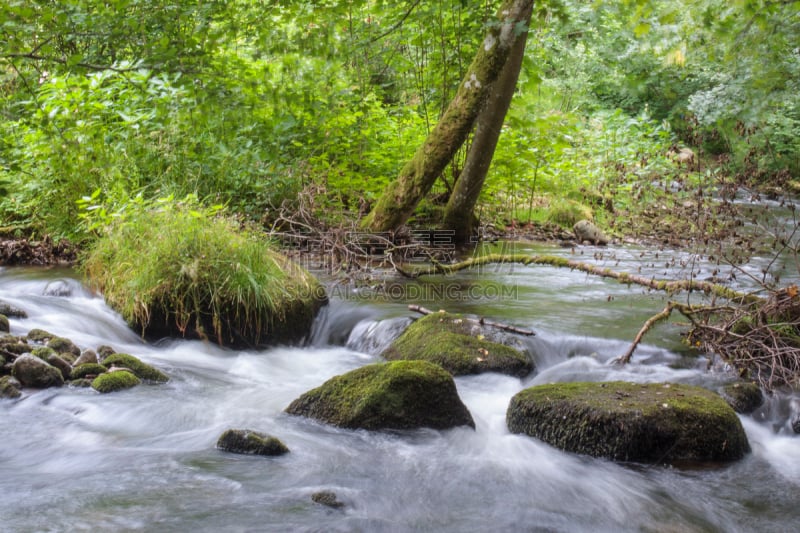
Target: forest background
[112,106]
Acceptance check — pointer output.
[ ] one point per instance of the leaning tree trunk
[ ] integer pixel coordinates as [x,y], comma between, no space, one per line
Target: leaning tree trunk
[459,213]
[401,197]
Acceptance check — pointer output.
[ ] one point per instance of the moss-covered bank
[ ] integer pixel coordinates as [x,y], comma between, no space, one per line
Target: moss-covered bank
[653,423]
[456,344]
[396,395]
[175,271]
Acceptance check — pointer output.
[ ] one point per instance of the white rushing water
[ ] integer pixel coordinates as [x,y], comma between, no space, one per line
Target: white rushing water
[144,459]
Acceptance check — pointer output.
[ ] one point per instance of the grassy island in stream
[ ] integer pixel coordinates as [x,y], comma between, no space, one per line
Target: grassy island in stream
[176,271]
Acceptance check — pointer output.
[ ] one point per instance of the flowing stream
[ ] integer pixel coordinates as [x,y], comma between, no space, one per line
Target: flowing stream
[144,459]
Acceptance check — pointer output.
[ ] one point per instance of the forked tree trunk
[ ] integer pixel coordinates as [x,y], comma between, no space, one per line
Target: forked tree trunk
[416,178]
[459,213]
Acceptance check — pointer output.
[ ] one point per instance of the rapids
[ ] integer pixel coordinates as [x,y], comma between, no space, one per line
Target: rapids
[144,459]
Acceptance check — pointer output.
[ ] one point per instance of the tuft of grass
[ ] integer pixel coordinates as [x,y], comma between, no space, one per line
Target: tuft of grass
[174,268]
[566,213]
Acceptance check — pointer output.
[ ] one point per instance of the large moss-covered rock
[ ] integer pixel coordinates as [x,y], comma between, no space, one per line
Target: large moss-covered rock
[115,381]
[178,272]
[5,326]
[33,372]
[653,423]
[141,369]
[394,395]
[458,346]
[247,441]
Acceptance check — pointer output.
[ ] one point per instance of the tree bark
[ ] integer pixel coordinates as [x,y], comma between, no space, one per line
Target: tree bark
[416,178]
[459,213]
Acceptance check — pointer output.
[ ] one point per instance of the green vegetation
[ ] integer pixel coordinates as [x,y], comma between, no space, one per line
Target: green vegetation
[115,381]
[173,268]
[140,369]
[246,104]
[450,342]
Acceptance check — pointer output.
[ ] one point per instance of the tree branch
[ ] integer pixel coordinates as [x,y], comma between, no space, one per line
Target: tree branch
[670,286]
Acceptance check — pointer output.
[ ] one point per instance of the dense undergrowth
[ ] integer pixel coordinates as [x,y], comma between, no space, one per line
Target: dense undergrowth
[336,97]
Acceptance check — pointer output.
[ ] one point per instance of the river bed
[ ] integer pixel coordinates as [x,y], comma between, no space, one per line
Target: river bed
[144,459]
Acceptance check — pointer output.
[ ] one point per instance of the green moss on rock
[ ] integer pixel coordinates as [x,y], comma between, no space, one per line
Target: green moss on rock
[81,383]
[87,369]
[449,341]
[247,441]
[744,397]
[9,387]
[138,367]
[5,325]
[39,335]
[395,395]
[43,352]
[660,423]
[115,381]
[62,345]
[33,372]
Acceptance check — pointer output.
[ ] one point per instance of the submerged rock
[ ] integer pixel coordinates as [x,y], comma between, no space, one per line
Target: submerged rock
[327,498]
[661,423]
[141,369]
[247,441]
[456,345]
[743,396]
[395,395]
[115,381]
[33,372]
[12,311]
[586,231]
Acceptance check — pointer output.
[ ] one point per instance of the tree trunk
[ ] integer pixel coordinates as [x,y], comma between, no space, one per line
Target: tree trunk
[416,178]
[459,213]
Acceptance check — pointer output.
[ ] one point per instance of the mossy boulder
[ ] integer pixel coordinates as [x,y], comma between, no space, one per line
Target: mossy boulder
[115,381]
[103,352]
[177,272]
[328,498]
[10,387]
[42,352]
[141,369]
[457,345]
[5,325]
[63,366]
[394,395]
[81,383]
[39,335]
[86,370]
[247,441]
[62,345]
[743,396]
[652,423]
[33,372]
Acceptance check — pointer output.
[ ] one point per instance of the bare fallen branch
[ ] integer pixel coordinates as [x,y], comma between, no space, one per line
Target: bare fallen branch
[669,286]
[482,321]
